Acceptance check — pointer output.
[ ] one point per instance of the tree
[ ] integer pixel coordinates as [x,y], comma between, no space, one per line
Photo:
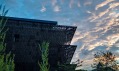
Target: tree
[81,70]
[6,62]
[44,65]
[104,61]
[70,67]
[79,63]
[66,67]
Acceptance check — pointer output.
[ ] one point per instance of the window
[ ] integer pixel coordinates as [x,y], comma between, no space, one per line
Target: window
[16,37]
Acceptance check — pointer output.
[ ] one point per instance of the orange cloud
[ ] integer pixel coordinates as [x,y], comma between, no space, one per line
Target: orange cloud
[113,5]
[103,4]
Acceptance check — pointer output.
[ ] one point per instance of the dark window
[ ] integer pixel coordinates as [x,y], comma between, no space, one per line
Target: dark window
[16,37]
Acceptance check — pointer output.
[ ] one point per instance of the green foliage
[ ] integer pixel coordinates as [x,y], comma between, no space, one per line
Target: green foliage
[6,62]
[81,70]
[105,60]
[44,66]
[67,67]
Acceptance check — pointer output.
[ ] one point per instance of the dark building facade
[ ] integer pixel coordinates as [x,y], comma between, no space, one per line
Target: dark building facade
[24,35]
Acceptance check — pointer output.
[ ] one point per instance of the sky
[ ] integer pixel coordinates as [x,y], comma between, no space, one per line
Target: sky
[97,29]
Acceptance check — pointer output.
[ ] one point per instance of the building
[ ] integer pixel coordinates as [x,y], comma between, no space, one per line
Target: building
[24,35]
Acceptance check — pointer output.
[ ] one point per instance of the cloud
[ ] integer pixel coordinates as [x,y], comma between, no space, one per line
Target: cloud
[103,34]
[43,9]
[75,3]
[71,3]
[112,39]
[54,2]
[57,8]
[78,4]
[103,13]
[87,3]
[89,12]
[113,5]
[103,4]
[86,65]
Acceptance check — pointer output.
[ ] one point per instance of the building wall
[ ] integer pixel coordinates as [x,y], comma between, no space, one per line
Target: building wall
[23,37]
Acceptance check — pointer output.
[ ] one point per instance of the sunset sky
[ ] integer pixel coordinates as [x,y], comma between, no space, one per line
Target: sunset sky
[96,30]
